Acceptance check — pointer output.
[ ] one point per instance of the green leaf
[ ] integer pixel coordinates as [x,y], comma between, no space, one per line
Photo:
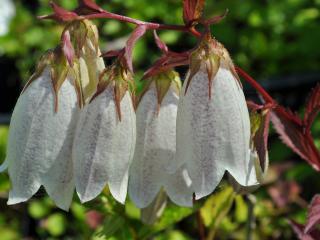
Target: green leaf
[113,224]
[217,207]
[171,215]
[3,142]
[241,212]
[132,211]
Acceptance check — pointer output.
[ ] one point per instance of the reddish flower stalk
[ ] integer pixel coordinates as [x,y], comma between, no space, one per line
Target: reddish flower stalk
[149,25]
[256,85]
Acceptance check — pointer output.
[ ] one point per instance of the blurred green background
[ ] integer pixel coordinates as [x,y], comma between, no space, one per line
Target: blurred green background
[275,41]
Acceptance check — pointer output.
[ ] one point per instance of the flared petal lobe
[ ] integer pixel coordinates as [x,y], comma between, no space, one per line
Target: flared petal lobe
[155,150]
[213,134]
[103,147]
[40,140]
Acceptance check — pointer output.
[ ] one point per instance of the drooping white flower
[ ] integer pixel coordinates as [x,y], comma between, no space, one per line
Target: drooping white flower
[213,125]
[40,141]
[156,146]
[105,140]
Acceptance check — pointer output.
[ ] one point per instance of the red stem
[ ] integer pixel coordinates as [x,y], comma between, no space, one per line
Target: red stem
[201,229]
[256,85]
[150,25]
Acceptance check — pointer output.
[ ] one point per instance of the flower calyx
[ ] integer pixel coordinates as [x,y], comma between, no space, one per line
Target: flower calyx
[209,56]
[121,79]
[163,81]
[83,37]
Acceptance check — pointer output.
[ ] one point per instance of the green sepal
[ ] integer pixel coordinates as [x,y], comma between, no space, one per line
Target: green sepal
[163,81]
[82,31]
[207,56]
[44,62]
[57,63]
[120,79]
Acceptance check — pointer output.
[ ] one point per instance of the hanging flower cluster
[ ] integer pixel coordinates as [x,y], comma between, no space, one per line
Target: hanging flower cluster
[79,125]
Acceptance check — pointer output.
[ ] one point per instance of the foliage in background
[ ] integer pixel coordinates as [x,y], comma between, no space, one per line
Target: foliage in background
[265,37]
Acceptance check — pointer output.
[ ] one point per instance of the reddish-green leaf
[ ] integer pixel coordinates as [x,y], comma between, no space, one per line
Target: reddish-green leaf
[293,133]
[313,214]
[313,107]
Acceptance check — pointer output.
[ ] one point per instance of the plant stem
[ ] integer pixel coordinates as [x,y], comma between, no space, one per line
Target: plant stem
[149,25]
[256,85]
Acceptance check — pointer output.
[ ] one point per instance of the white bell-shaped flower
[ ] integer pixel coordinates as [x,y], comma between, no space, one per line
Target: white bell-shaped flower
[213,124]
[104,143]
[40,142]
[156,148]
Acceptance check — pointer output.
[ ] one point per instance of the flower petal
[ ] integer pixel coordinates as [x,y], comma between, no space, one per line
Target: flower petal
[103,147]
[213,134]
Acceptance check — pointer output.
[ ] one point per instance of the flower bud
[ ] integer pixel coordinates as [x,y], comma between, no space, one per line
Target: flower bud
[156,145]
[213,125]
[260,122]
[40,140]
[86,64]
[105,138]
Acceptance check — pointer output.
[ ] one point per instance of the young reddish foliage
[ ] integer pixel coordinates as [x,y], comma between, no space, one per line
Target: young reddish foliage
[60,14]
[313,107]
[309,230]
[192,11]
[89,5]
[313,214]
[293,133]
